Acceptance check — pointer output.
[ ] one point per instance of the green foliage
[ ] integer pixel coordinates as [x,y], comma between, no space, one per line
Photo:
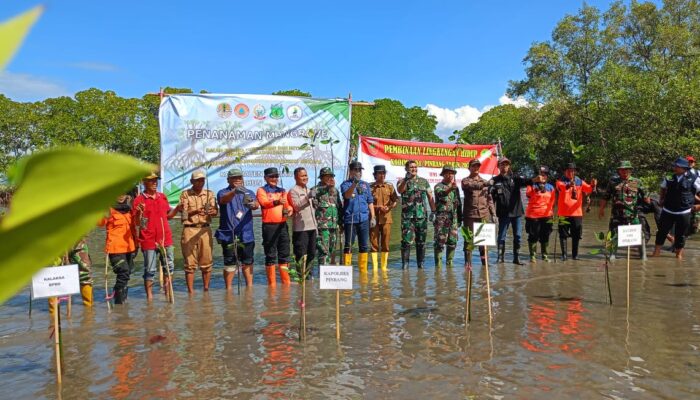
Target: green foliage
[608,244]
[391,119]
[469,236]
[299,272]
[292,92]
[621,84]
[61,194]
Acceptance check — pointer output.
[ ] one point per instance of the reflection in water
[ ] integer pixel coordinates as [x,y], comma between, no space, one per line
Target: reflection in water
[403,336]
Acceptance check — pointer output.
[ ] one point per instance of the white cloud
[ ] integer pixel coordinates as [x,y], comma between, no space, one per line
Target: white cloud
[95,66]
[450,120]
[25,87]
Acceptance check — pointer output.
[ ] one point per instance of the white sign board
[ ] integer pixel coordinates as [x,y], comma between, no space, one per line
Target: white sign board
[336,277]
[487,235]
[629,235]
[56,281]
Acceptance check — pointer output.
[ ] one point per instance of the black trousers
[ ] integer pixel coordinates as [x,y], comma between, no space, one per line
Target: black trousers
[667,222]
[275,243]
[304,243]
[538,229]
[573,230]
[122,266]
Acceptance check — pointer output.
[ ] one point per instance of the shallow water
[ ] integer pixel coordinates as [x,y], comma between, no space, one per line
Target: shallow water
[403,336]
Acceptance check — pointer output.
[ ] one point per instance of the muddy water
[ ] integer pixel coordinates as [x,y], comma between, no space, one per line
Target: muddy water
[403,336]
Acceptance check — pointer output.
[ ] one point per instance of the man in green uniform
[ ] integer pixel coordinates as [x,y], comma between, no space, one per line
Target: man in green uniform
[448,216]
[326,201]
[414,191]
[626,193]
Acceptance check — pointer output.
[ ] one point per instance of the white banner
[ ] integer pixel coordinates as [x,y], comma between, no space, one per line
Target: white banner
[217,132]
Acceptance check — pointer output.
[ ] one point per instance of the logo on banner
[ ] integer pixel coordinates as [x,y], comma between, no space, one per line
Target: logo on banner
[242,110]
[259,112]
[224,110]
[372,148]
[276,111]
[294,113]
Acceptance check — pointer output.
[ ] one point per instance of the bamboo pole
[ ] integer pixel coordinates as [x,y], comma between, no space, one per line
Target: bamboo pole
[337,314]
[468,316]
[57,339]
[488,284]
[109,302]
[628,276]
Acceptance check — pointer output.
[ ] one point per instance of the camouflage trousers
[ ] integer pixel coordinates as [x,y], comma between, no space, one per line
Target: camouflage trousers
[413,230]
[326,242]
[446,231]
[79,255]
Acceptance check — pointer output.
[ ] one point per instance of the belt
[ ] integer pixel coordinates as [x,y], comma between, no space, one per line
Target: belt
[197,226]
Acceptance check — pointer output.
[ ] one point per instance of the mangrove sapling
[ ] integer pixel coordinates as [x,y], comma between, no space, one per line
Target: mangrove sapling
[608,246]
[300,275]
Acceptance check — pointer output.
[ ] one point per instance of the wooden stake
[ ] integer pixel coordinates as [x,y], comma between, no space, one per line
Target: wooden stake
[628,276]
[488,283]
[109,302]
[337,314]
[57,339]
[468,316]
[69,308]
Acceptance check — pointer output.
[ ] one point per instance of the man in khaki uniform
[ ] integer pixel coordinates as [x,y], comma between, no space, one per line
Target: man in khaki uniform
[385,199]
[198,206]
[478,206]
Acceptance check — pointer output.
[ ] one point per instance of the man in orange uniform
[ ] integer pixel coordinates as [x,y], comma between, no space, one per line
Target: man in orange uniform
[538,213]
[275,211]
[120,245]
[570,189]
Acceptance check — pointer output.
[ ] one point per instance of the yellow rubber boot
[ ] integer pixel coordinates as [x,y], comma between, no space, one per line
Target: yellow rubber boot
[347,258]
[86,292]
[385,260]
[362,263]
[375,262]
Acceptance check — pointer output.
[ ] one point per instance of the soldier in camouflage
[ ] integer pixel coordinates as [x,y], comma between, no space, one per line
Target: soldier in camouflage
[448,216]
[414,191]
[627,194]
[79,254]
[327,202]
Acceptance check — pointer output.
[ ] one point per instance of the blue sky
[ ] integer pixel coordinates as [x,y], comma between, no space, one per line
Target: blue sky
[453,57]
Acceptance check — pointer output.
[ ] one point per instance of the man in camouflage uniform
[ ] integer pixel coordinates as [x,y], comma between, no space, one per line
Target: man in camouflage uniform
[448,216]
[79,255]
[414,191]
[626,193]
[326,201]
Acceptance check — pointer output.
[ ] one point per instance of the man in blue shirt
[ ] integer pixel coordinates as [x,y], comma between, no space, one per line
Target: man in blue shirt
[235,233]
[358,215]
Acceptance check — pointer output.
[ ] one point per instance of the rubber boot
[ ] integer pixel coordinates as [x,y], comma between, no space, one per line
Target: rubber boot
[189,279]
[117,295]
[533,251]
[564,256]
[86,292]
[248,274]
[501,252]
[545,251]
[362,266]
[405,256]
[228,279]
[574,249]
[449,256]
[148,286]
[375,261]
[437,252]
[206,278]
[347,259]
[271,278]
[385,260]
[420,256]
[284,274]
